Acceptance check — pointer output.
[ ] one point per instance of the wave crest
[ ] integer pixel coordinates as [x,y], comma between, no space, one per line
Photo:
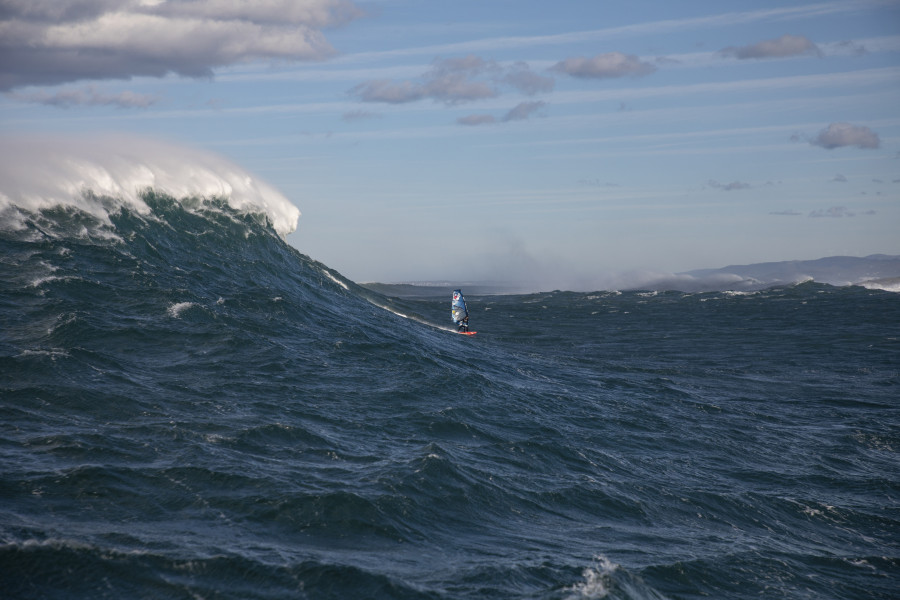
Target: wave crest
[38,173]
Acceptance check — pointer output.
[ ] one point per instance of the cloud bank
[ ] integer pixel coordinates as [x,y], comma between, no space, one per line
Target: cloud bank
[44,42]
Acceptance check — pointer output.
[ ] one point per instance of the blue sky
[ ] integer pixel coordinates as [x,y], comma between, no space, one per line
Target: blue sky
[560,144]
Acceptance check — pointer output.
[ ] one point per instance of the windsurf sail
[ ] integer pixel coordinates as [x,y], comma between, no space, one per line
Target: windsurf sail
[458,310]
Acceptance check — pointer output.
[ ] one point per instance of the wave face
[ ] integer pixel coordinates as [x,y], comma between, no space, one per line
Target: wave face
[193,409]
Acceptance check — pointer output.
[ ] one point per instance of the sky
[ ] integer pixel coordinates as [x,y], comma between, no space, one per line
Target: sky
[556,144]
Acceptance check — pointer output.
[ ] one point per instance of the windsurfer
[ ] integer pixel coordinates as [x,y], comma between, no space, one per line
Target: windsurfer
[458,311]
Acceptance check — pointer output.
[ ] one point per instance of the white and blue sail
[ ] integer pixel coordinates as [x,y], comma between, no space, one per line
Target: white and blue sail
[458,310]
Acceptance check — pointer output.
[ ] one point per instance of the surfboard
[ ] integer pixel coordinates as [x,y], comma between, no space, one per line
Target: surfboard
[467,332]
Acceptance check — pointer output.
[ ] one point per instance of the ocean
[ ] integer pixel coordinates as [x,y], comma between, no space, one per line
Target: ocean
[191,408]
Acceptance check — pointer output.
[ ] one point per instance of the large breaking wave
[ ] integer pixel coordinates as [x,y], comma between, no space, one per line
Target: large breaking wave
[109,172]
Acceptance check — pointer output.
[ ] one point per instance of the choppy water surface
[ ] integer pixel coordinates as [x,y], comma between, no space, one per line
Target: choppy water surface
[192,409]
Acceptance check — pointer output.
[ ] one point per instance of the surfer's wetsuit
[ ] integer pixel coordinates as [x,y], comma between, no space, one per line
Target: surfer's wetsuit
[464,324]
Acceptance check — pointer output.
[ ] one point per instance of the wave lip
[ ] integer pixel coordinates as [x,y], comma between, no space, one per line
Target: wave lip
[41,172]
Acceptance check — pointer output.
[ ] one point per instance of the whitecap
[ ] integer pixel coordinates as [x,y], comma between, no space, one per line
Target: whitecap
[52,353]
[106,173]
[596,582]
[179,307]
[890,284]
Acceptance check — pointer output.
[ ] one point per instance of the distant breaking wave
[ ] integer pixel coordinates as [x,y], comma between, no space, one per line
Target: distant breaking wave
[107,173]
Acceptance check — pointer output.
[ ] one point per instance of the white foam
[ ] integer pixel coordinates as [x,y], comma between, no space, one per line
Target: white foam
[53,353]
[40,172]
[179,307]
[391,310]
[339,282]
[596,580]
[886,286]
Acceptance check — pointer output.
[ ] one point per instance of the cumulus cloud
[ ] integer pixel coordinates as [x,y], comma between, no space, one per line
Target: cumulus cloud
[451,80]
[521,77]
[87,97]
[603,66]
[311,13]
[786,45]
[838,135]
[45,42]
[453,88]
[455,80]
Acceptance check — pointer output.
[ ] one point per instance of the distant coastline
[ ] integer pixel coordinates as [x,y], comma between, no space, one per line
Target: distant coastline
[877,271]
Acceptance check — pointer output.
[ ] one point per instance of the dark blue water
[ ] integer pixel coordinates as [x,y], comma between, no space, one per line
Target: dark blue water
[190,408]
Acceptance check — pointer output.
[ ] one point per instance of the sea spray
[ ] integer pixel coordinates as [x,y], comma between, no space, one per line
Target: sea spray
[108,172]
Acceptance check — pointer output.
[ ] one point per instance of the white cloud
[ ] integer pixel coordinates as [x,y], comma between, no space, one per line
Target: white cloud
[838,135]
[454,81]
[786,45]
[526,81]
[315,13]
[453,88]
[451,80]
[602,66]
[48,43]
